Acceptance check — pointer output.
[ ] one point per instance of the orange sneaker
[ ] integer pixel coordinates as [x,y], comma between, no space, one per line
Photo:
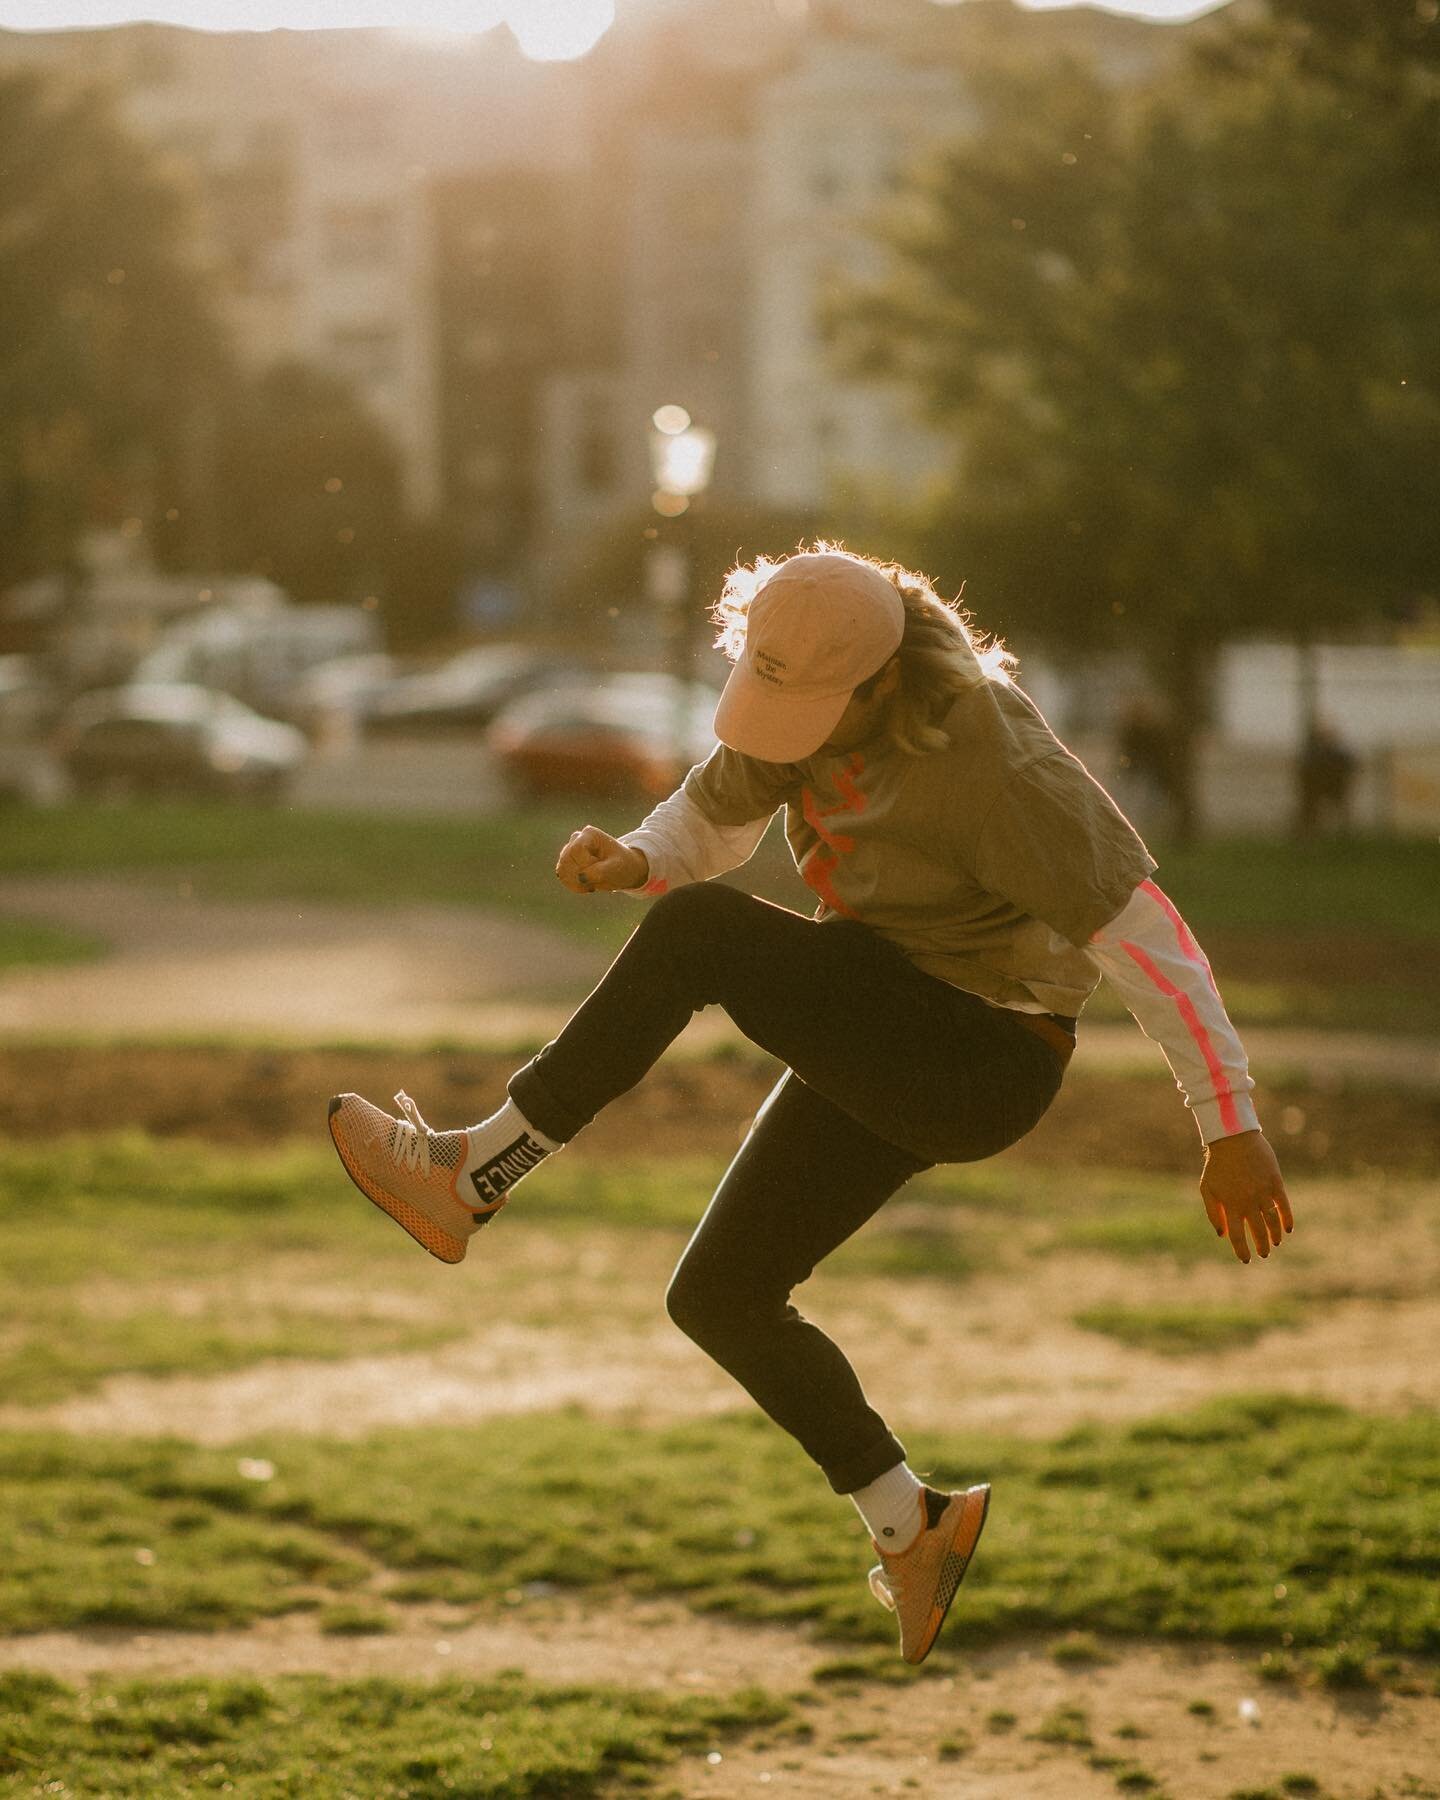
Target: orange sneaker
[410,1172]
[919,1583]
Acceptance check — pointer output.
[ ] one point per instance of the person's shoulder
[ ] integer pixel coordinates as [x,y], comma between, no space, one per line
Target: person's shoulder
[730,774]
[994,716]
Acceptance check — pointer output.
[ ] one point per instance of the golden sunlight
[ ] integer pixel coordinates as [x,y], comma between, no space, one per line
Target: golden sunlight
[546,30]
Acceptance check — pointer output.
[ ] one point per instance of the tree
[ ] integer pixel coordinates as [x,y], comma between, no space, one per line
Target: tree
[1186,341]
[307,487]
[108,342]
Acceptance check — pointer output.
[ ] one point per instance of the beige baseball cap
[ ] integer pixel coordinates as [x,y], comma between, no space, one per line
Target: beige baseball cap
[823,623]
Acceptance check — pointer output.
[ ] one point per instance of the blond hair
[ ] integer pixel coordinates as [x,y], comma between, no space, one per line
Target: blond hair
[940,653]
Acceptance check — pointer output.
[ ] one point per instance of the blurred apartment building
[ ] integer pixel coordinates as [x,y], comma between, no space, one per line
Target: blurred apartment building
[515,263]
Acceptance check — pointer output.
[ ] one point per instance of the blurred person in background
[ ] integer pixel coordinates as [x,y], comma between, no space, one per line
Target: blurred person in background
[1145,750]
[974,884]
[1324,776]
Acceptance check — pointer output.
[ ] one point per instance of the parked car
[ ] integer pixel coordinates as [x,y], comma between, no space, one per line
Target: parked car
[28,702]
[345,689]
[171,738]
[257,654]
[467,691]
[615,738]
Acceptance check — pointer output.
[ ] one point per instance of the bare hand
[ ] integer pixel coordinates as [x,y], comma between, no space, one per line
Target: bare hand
[1241,1187]
[593,862]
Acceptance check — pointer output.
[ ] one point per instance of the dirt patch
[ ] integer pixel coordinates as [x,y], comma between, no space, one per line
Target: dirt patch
[935,1733]
[688,1104]
[295,968]
[545,1299]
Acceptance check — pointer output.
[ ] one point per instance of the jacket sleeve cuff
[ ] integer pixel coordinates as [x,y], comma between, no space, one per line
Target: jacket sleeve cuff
[1207,1116]
[657,882]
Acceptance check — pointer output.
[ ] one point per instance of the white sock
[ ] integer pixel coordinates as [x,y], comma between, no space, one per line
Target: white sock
[893,1508]
[502,1148]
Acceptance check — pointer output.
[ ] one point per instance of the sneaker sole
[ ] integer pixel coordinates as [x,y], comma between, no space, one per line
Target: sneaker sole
[441,1244]
[948,1585]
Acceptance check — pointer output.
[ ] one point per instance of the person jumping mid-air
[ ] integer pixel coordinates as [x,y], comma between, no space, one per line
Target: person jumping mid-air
[974,884]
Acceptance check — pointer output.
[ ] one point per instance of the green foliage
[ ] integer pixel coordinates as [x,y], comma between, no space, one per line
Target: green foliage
[1180,1527]
[1185,339]
[108,345]
[288,436]
[499,1739]
[1140,310]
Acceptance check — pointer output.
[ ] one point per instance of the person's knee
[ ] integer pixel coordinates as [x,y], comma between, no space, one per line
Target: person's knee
[691,1304]
[697,910]
[715,1308]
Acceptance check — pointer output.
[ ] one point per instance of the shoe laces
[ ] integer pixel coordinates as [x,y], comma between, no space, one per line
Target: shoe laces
[410,1141]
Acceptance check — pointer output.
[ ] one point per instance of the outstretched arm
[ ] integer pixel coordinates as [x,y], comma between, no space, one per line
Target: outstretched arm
[675,844]
[1150,957]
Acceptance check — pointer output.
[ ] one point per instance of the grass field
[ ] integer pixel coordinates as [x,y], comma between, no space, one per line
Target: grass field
[1382,885]
[27,941]
[1122,1532]
[1190,1461]
[338,1741]
[1333,935]
[123,1253]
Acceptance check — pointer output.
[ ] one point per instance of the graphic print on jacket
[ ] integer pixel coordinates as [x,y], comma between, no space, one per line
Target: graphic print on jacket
[821,863]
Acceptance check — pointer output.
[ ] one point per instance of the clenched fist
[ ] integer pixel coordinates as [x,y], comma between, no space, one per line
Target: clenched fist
[593,862]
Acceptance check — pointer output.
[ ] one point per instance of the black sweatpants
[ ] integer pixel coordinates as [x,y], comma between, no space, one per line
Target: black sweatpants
[890,1071]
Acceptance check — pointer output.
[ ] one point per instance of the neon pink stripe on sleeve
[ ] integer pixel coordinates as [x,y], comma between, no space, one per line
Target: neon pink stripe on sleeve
[1229,1118]
[1188,946]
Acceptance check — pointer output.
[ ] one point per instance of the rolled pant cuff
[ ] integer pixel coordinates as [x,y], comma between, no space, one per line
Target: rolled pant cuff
[868,1465]
[530,1092]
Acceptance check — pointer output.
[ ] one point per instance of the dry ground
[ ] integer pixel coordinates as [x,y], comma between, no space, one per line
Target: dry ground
[1323,1125]
[932,1736]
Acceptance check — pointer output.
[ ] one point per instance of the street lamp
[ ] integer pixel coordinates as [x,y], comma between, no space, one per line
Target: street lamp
[682,456]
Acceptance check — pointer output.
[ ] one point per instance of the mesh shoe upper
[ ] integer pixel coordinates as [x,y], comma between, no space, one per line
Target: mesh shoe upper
[922,1580]
[409,1171]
